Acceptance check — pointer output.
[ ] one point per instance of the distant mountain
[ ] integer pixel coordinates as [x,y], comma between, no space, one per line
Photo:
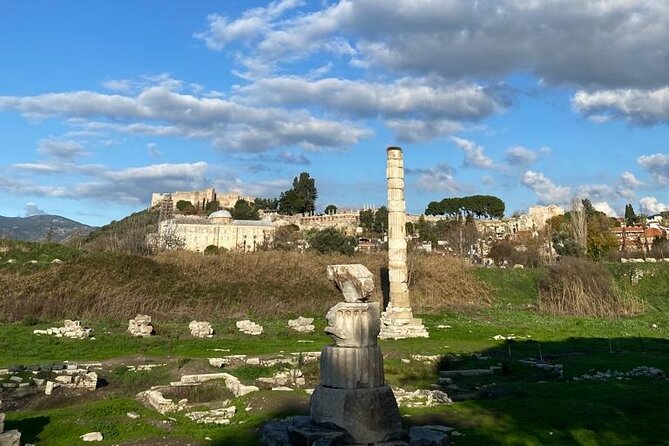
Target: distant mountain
[41,227]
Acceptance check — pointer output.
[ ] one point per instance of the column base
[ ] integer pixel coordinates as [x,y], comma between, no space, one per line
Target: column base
[399,323]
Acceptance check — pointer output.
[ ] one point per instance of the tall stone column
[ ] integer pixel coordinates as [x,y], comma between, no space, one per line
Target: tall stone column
[397,321]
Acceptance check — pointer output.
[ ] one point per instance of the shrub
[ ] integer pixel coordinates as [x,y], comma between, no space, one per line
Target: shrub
[580,287]
[331,240]
[211,250]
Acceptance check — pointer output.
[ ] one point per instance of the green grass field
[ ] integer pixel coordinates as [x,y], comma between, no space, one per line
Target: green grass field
[518,405]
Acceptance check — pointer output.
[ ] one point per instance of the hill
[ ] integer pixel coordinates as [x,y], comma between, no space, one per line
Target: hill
[41,227]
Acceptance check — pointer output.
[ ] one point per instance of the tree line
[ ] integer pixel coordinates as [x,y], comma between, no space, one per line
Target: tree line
[479,206]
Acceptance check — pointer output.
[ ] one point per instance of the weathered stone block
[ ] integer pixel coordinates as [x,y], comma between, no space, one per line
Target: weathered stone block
[355,281]
[366,415]
[354,324]
[352,368]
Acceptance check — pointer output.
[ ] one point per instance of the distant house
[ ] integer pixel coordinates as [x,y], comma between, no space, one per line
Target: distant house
[636,237]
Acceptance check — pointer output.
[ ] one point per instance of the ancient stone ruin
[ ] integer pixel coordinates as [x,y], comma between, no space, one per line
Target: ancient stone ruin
[248,327]
[70,329]
[9,438]
[397,320]
[201,329]
[352,405]
[140,326]
[302,324]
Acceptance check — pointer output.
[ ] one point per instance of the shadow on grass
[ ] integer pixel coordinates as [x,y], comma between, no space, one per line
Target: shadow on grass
[522,404]
[30,428]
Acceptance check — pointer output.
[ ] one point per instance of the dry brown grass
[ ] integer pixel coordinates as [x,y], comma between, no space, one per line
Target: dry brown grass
[183,285]
[580,287]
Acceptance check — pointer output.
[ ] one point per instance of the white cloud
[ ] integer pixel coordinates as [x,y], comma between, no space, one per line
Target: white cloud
[605,207]
[520,156]
[436,179]
[159,111]
[637,105]
[657,165]
[651,205]
[629,180]
[547,192]
[253,23]
[32,209]
[58,148]
[130,185]
[580,42]
[474,156]
[152,150]
[414,130]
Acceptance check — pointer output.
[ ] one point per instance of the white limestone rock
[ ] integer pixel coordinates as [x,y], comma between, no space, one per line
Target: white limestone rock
[92,436]
[302,324]
[140,326]
[10,438]
[248,327]
[156,400]
[215,416]
[355,281]
[70,329]
[201,329]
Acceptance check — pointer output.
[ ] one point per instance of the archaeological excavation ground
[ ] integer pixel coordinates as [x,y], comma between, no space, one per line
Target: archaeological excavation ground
[496,368]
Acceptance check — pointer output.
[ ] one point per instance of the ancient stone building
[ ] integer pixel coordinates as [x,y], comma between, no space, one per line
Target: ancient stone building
[219,230]
[200,198]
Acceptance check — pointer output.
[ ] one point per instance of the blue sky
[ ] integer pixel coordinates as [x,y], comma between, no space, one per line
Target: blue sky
[102,103]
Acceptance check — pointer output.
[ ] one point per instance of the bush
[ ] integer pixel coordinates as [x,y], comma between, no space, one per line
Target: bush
[580,287]
[331,240]
[211,250]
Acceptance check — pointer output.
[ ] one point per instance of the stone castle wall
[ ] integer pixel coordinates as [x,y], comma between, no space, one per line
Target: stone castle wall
[200,198]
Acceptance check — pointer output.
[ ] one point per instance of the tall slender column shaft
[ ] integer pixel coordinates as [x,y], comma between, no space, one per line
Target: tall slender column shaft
[397,245]
[397,320]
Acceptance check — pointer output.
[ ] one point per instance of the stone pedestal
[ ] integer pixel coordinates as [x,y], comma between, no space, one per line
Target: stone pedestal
[398,321]
[366,415]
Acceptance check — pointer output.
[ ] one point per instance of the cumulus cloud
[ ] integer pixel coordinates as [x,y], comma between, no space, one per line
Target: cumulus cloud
[605,207]
[32,209]
[474,156]
[629,180]
[436,179]
[636,105]
[651,205]
[547,192]
[58,148]
[254,22]
[159,111]
[657,165]
[522,156]
[593,42]
[130,185]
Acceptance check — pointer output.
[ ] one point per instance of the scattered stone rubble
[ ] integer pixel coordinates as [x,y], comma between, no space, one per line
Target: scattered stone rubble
[9,438]
[140,326]
[154,398]
[556,369]
[302,324]
[420,398]
[214,416]
[641,371]
[70,329]
[293,359]
[232,383]
[68,375]
[286,378]
[248,327]
[201,329]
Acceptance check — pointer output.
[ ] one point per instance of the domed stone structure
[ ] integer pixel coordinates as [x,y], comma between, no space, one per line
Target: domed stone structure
[220,217]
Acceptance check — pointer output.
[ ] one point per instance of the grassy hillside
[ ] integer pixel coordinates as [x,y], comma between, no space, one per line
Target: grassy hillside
[181,285]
